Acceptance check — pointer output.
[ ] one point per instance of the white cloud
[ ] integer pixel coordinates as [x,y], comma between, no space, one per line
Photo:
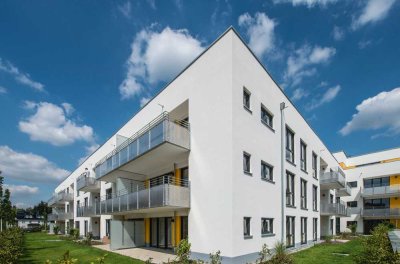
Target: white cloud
[50,123]
[308,3]
[364,44]
[327,97]
[260,30]
[29,167]
[125,9]
[381,111]
[373,11]
[298,94]
[301,63]
[157,56]
[338,33]
[144,100]
[19,76]
[152,3]
[89,150]
[3,90]
[21,189]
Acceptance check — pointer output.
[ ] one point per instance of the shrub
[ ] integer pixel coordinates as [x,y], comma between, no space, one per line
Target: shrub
[353,228]
[56,229]
[264,254]
[74,233]
[11,242]
[88,239]
[183,251]
[280,256]
[377,248]
[328,239]
[216,258]
[345,235]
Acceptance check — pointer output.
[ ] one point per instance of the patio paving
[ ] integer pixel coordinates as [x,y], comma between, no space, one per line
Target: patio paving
[158,256]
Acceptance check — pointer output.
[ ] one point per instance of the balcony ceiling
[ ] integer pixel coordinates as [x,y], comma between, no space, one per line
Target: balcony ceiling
[150,164]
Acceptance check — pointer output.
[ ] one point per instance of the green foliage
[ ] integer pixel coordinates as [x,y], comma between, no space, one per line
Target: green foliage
[100,260]
[328,239]
[215,258]
[377,248]
[56,229]
[183,251]
[11,242]
[88,239]
[74,233]
[280,256]
[353,228]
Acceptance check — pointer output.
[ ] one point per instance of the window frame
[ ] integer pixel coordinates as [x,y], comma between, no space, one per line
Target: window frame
[247,101]
[270,221]
[303,156]
[247,164]
[315,197]
[290,191]
[352,185]
[289,148]
[303,230]
[303,194]
[314,165]
[291,223]
[271,171]
[270,123]
[315,229]
[247,225]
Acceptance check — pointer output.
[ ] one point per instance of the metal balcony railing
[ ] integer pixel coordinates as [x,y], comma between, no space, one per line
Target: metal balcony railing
[163,191]
[60,198]
[380,212]
[346,191]
[86,182]
[337,209]
[334,179]
[381,191]
[86,211]
[158,131]
[66,216]
[52,217]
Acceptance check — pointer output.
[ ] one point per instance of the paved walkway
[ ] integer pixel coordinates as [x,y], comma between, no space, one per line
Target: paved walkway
[158,256]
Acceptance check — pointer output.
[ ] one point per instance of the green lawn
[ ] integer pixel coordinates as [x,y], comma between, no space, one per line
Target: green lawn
[324,253]
[40,247]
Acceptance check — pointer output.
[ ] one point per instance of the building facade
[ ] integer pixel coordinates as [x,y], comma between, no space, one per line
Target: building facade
[374,184]
[220,156]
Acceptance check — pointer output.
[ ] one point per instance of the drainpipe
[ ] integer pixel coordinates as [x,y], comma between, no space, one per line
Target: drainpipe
[282,107]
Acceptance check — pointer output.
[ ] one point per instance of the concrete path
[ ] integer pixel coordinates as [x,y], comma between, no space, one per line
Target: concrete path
[158,255]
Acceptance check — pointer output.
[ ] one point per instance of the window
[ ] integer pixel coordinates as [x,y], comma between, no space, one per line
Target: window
[303,194]
[351,223]
[377,203]
[353,184]
[108,227]
[266,171]
[377,182]
[303,223]
[246,162]
[290,231]
[289,145]
[289,189]
[267,226]
[315,229]
[85,228]
[77,224]
[246,227]
[314,165]
[315,197]
[352,204]
[266,117]
[246,98]
[109,193]
[86,202]
[303,156]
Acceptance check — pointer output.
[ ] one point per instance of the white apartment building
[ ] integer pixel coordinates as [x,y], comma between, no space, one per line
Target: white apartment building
[220,156]
[374,188]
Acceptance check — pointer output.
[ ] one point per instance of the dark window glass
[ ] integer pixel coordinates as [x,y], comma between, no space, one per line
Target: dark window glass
[246,162]
[267,226]
[303,156]
[266,171]
[266,116]
[289,145]
[246,226]
[314,165]
[289,189]
[246,98]
[303,194]
[353,184]
[352,204]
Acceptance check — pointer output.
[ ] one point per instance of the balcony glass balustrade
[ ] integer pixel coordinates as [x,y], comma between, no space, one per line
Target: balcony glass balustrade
[334,179]
[346,191]
[380,212]
[160,130]
[381,191]
[86,183]
[58,199]
[336,209]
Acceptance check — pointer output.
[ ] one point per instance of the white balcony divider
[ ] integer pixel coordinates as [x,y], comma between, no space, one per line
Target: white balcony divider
[381,212]
[381,191]
[158,131]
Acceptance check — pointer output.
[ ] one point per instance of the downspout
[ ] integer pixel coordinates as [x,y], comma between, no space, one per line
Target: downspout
[282,107]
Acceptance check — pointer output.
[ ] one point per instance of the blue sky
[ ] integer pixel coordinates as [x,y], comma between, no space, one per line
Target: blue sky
[73,72]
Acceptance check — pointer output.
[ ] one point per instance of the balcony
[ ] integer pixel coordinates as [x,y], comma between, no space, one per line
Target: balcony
[86,211]
[376,213]
[163,193]
[334,179]
[86,183]
[346,191]
[60,216]
[334,209]
[59,199]
[160,143]
[381,192]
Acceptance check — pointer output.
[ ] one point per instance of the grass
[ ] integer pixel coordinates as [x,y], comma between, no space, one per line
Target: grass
[324,253]
[39,247]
